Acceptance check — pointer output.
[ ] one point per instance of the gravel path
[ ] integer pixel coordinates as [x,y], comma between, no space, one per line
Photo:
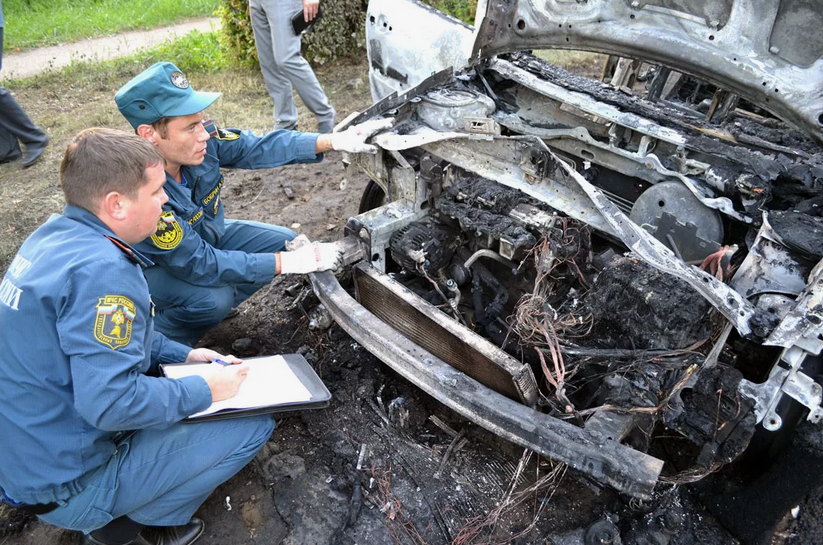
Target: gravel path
[37,61]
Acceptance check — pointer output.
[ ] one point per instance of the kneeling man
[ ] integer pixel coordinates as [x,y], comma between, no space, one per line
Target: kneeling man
[92,439]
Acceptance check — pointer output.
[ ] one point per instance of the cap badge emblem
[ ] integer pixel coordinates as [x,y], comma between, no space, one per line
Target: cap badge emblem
[178,79]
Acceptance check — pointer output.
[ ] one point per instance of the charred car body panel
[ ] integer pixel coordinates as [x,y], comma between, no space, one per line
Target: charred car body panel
[508,188]
[768,52]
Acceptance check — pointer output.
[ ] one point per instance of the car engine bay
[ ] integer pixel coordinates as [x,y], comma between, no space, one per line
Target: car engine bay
[631,256]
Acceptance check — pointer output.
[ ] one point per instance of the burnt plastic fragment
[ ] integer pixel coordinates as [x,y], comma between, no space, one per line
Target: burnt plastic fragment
[639,307]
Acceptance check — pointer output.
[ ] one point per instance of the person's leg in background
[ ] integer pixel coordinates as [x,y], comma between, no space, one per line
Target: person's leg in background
[16,127]
[9,145]
[278,86]
[282,57]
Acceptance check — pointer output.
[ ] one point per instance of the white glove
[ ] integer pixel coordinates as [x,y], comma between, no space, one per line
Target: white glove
[305,257]
[297,242]
[353,139]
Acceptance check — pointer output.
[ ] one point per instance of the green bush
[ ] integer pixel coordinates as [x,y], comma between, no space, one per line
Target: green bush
[340,33]
[461,9]
[237,34]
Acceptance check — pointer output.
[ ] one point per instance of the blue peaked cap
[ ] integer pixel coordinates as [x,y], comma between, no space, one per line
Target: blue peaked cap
[161,90]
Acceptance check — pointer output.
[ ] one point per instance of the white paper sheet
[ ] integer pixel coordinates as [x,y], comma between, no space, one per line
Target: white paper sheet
[270,382]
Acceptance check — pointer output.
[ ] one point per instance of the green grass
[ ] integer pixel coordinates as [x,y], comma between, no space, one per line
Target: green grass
[195,52]
[581,62]
[35,23]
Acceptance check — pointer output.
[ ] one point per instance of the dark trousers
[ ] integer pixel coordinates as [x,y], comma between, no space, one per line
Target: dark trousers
[15,125]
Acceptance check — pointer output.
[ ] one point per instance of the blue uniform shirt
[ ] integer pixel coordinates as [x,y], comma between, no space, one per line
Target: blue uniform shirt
[76,339]
[187,242]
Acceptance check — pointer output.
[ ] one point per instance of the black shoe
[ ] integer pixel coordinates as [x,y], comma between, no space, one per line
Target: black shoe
[173,535]
[161,535]
[32,155]
[91,540]
[11,157]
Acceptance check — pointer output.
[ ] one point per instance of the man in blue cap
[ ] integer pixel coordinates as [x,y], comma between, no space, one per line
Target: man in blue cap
[205,264]
[92,438]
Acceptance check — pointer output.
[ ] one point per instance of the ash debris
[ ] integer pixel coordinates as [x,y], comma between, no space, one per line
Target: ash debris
[800,232]
[715,416]
[639,307]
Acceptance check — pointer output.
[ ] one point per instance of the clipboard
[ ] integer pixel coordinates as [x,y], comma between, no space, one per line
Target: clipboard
[278,384]
[299,24]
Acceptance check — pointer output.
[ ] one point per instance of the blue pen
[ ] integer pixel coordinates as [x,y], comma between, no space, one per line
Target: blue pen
[221,362]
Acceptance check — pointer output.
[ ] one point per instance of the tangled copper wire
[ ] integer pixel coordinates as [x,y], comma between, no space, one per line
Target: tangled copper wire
[536,322]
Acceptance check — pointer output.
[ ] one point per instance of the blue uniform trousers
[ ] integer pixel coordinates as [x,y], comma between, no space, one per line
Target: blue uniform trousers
[160,477]
[184,311]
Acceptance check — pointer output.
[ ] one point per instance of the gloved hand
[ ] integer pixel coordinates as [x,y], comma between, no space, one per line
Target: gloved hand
[305,256]
[353,139]
[297,242]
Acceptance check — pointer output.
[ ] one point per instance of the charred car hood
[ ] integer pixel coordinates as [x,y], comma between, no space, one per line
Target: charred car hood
[770,53]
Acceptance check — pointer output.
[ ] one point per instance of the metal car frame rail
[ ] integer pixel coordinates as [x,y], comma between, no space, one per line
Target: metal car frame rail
[621,467]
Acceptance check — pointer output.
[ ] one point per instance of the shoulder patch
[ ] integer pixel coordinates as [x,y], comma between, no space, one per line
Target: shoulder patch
[113,323]
[225,134]
[169,233]
[218,133]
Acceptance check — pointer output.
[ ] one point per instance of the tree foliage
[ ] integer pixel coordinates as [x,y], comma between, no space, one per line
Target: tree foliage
[340,32]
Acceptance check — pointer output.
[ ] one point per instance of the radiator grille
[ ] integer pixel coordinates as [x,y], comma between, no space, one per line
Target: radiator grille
[432,330]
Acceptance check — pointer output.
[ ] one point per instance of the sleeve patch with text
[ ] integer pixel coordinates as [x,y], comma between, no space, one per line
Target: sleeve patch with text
[113,323]
[224,134]
[169,233]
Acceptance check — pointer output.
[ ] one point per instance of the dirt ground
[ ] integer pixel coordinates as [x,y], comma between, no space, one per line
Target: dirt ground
[384,464]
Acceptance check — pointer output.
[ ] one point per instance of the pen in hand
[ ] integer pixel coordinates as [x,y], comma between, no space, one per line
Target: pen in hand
[225,384]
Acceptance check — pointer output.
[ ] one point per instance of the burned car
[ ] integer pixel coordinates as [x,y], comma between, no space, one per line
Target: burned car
[576,263]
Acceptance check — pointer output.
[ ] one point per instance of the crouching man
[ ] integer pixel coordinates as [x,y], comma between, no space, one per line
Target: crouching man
[92,439]
[204,263]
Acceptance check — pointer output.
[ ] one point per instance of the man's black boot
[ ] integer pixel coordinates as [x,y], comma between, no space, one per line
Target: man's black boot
[11,157]
[89,539]
[119,531]
[173,535]
[33,154]
[158,535]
